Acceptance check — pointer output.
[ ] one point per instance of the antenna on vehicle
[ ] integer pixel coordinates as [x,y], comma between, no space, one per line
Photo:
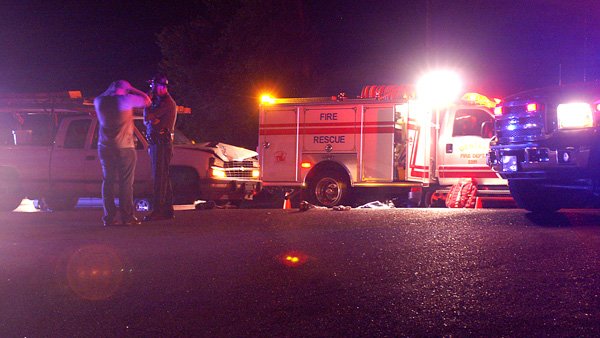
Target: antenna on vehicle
[560,74]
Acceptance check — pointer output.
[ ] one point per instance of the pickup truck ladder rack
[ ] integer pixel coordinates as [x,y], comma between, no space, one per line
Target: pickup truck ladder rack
[62,102]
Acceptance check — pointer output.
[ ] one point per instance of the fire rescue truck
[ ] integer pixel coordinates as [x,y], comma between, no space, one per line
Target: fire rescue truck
[547,146]
[48,152]
[334,149]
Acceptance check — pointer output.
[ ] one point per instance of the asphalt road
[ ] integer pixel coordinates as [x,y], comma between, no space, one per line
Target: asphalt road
[259,273]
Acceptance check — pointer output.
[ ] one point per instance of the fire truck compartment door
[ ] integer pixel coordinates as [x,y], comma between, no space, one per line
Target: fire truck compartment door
[419,134]
[378,144]
[463,133]
[329,129]
[278,145]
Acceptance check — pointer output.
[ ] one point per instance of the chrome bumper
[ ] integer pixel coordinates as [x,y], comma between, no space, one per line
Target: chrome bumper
[535,161]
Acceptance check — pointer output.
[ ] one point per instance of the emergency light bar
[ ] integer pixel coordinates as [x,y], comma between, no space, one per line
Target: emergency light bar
[531,107]
[479,99]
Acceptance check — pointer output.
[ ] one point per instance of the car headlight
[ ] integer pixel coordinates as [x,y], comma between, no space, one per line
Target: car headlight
[574,115]
[218,172]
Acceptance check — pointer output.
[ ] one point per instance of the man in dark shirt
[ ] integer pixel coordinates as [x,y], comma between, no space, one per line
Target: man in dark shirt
[160,118]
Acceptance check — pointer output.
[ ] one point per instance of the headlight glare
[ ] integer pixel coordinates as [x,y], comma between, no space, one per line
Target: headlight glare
[218,173]
[574,115]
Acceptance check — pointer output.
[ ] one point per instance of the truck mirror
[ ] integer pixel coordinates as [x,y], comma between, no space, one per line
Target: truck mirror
[487,129]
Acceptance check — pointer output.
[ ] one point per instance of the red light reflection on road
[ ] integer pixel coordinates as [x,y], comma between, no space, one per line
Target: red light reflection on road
[293,259]
[95,272]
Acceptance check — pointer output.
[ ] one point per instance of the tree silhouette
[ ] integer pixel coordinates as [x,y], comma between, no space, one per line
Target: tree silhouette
[220,62]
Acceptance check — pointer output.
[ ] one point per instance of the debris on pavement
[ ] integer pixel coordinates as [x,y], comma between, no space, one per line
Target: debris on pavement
[205,205]
[304,206]
[377,205]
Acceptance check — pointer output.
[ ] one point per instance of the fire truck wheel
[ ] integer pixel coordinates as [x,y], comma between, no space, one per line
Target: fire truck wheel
[329,189]
[431,199]
[532,197]
[60,202]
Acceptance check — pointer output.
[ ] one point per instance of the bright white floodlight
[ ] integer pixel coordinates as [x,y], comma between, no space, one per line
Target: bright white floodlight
[439,88]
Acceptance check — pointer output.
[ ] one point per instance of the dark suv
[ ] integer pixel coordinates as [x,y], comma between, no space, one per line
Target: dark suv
[547,145]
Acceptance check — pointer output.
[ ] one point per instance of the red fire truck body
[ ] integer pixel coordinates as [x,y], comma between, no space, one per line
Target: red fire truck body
[335,147]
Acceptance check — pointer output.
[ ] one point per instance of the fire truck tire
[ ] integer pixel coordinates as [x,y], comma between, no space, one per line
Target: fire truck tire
[10,191]
[533,197]
[429,201]
[330,188]
[60,202]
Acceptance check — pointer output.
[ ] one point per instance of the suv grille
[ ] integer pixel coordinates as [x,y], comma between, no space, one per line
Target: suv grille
[518,125]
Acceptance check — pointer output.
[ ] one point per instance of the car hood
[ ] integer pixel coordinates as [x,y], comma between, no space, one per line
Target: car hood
[224,151]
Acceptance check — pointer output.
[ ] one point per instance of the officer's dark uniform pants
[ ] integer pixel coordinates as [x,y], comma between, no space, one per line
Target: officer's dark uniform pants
[160,155]
[118,167]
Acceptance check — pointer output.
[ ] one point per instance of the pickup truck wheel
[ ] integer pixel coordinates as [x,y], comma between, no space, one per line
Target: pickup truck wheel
[10,190]
[10,195]
[533,197]
[142,204]
[184,181]
[60,203]
[329,189]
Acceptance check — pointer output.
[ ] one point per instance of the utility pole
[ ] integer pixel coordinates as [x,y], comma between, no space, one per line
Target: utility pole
[428,30]
[560,74]
[585,48]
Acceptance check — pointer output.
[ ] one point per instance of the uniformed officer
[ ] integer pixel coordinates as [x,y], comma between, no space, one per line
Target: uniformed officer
[159,119]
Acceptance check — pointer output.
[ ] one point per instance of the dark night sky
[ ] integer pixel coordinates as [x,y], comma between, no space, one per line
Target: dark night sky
[500,46]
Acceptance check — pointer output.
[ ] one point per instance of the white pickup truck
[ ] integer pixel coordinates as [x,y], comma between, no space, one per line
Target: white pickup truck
[48,151]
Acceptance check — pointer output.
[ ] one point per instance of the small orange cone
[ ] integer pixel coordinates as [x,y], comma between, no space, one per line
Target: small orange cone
[287,204]
[478,204]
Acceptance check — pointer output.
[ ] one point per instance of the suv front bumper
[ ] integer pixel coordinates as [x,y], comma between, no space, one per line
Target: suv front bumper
[224,190]
[537,161]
